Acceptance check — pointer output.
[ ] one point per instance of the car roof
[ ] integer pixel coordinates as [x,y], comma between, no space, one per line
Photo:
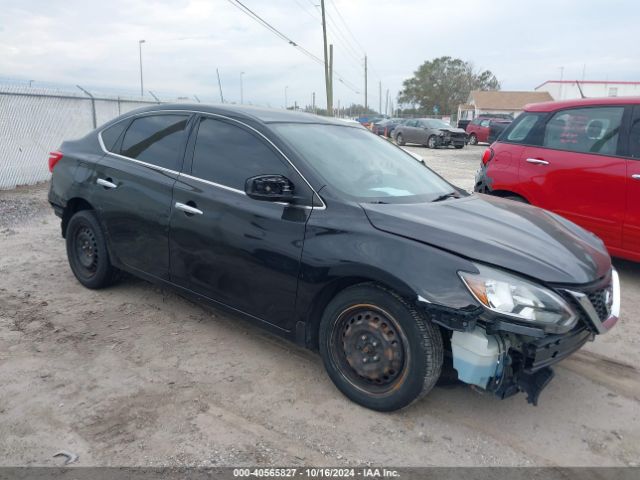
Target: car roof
[580,102]
[248,112]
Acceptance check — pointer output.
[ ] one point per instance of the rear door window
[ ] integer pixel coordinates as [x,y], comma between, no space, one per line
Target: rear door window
[585,130]
[156,139]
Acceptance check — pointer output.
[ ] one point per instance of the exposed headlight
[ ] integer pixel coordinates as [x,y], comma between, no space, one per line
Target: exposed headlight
[519,298]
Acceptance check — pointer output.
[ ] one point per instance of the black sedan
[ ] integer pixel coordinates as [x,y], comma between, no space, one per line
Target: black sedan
[338,240]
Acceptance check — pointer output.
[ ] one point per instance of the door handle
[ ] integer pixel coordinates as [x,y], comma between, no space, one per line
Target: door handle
[537,161]
[635,176]
[106,183]
[188,209]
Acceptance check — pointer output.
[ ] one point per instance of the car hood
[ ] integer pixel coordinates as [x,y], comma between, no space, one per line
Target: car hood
[496,231]
[451,130]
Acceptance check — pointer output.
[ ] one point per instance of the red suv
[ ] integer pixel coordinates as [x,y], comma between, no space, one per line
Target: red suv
[479,130]
[577,158]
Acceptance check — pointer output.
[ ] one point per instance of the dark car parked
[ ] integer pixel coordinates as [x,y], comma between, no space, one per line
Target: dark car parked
[430,132]
[338,240]
[386,127]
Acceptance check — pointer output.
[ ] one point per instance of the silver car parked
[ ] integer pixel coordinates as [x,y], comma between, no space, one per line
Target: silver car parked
[430,132]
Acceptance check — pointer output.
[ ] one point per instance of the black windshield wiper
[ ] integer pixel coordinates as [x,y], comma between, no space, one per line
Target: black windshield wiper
[445,196]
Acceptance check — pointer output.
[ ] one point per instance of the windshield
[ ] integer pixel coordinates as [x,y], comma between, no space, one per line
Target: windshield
[362,165]
[432,123]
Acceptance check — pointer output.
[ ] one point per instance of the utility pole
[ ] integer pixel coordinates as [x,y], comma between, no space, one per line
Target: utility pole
[327,80]
[365,84]
[220,86]
[380,97]
[313,102]
[241,89]
[331,77]
[286,100]
[386,104]
[140,42]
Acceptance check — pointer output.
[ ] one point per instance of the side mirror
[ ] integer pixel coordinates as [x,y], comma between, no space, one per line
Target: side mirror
[269,188]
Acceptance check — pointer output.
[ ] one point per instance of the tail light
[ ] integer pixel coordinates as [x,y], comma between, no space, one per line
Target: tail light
[54,157]
[487,156]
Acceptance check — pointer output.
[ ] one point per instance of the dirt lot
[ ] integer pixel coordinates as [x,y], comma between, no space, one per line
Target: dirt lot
[135,375]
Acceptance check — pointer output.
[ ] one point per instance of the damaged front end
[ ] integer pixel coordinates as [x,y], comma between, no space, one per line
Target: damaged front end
[503,355]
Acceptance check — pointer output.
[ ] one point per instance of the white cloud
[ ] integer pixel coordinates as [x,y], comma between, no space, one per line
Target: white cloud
[96,43]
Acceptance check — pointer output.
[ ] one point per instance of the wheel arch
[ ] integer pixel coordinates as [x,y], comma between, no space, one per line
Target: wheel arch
[74,205]
[321,299]
[508,193]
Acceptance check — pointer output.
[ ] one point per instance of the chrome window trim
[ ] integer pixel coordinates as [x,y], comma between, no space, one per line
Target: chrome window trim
[217,115]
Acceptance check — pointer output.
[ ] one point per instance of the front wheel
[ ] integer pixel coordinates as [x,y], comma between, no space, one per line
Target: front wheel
[378,349]
[432,142]
[459,146]
[87,251]
[400,139]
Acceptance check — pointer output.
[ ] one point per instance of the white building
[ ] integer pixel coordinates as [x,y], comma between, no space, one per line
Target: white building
[570,89]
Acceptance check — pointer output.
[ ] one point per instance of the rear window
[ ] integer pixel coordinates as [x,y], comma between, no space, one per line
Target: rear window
[156,139]
[521,130]
[111,134]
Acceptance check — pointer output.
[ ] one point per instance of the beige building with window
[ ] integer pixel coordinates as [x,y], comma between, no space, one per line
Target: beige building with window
[499,102]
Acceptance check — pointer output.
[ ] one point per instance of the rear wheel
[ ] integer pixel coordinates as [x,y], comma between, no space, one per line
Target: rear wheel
[378,349]
[459,146]
[87,251]
[400,139]
[473,140]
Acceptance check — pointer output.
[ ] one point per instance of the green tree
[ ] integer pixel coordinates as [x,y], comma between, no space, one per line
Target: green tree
[445,83]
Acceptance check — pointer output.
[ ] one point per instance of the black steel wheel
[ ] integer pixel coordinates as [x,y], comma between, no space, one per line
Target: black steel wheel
[87,251]
[378,349]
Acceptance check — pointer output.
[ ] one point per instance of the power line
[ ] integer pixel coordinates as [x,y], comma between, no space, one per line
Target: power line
[246,10]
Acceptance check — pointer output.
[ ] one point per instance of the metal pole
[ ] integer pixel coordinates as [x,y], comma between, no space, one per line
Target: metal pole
[365,83]
[220,86]
[331,76]
[154,96]
[93,105]
[380,97]
[196,97]
[313,102]
[286,101]
[327,81]
[140,42]
[241,89]
[386,104]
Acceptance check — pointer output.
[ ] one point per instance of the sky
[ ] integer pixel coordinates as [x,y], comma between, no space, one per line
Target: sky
[524,43]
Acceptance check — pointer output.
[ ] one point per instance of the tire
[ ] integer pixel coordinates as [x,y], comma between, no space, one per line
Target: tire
[400,140]
[432,142]
[473,140]
[378,349]
[87,251]
[459,146]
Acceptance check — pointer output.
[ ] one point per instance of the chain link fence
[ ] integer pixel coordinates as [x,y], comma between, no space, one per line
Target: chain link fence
[35,121]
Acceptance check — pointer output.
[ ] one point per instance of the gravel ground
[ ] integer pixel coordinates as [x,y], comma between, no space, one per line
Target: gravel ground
[136,375]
